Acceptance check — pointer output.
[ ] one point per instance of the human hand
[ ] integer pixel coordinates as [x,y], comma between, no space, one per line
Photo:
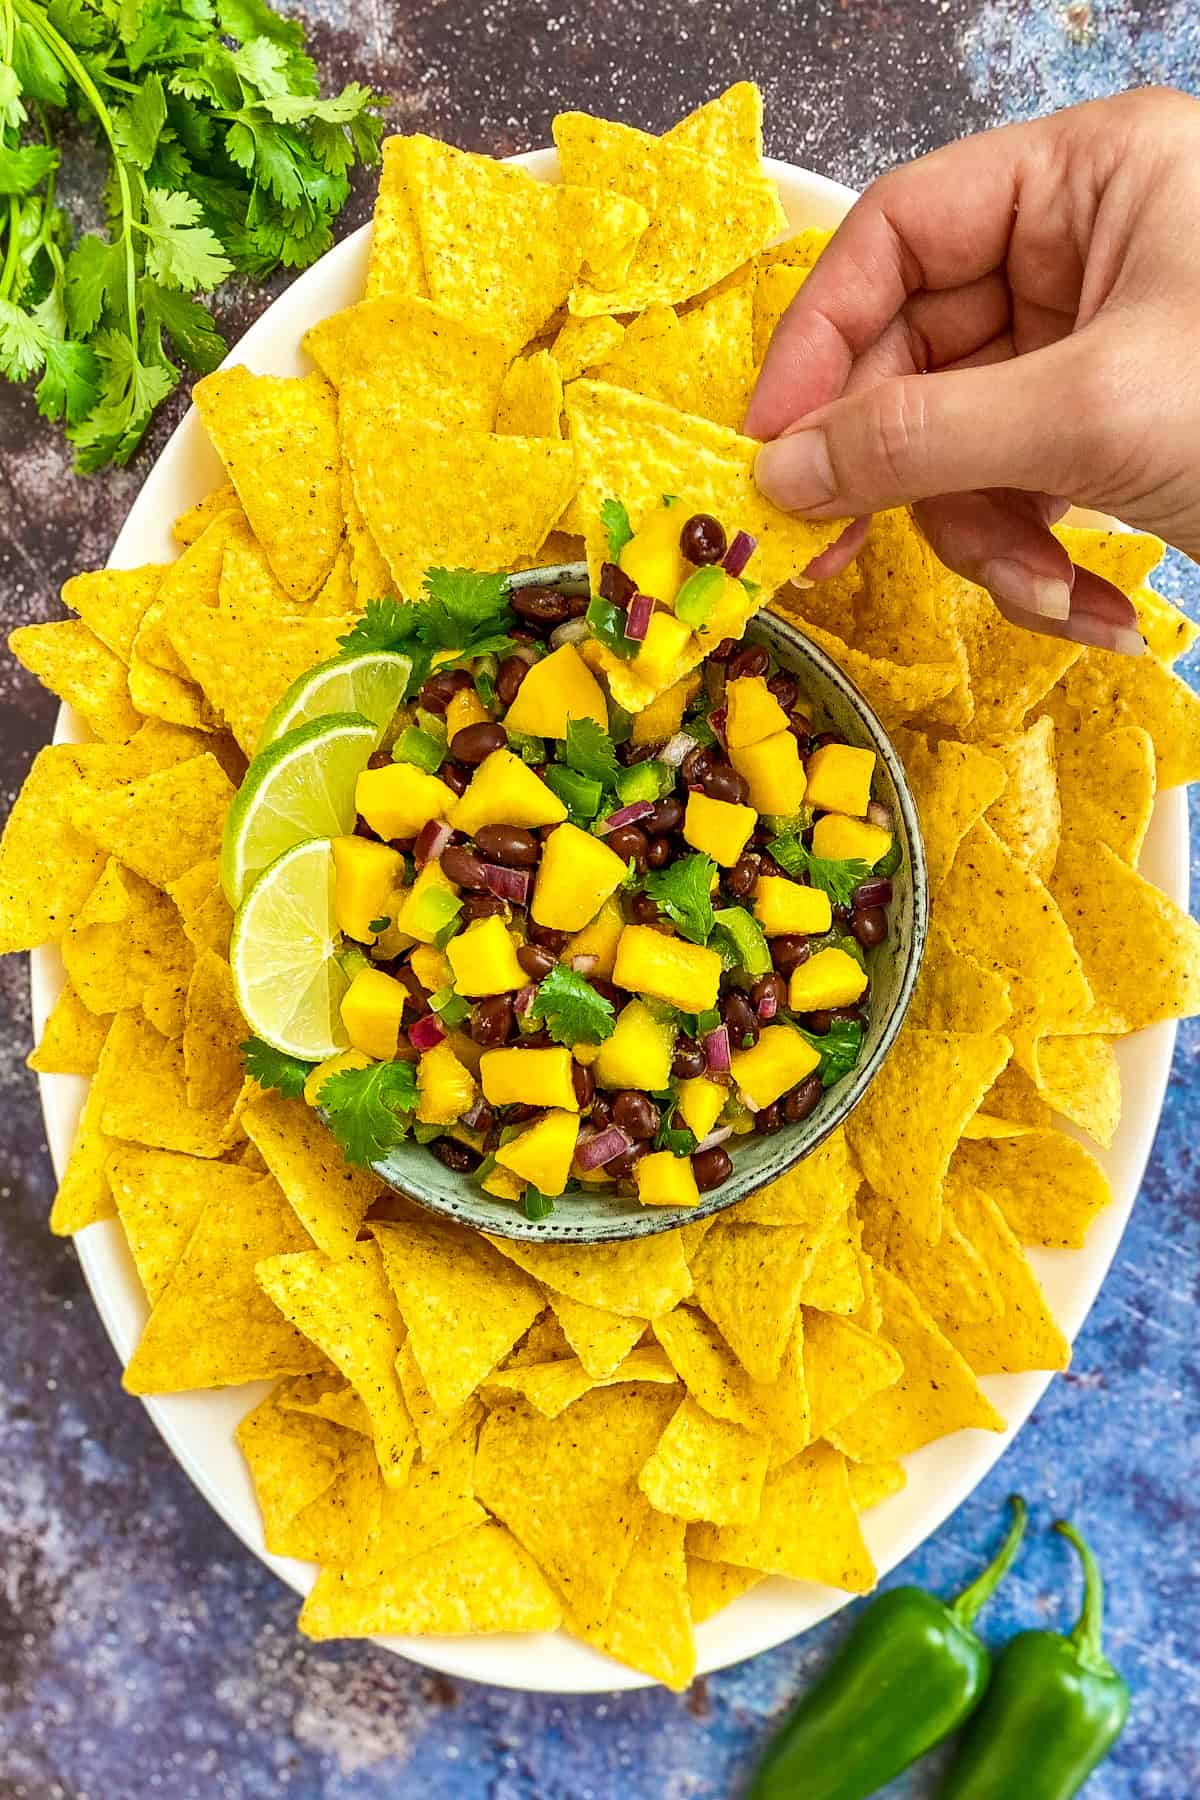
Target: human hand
[1001,328]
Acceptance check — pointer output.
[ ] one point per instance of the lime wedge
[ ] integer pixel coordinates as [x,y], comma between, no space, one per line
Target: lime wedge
[300,787]
[370,682]
[284,955]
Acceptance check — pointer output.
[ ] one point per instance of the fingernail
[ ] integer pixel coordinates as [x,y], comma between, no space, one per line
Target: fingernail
[1101,634]
[1044,595]
[795,471]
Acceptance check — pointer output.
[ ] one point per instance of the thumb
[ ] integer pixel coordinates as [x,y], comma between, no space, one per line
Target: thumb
[1021,423]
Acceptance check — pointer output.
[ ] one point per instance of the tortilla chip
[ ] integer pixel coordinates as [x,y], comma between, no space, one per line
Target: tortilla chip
[435,1504]
[162,825]
[712,1586]
[84,1195]
[156,694]
[902,610]
[145,1101]
[160,1196]
[1126,558]
[896,694]
[433,1427]
[777,1410]
[582,344]
[292,1461]
[1027,816]
[748,1280]
[953,785]
[193,523]
[844,1367]
[212,1031]
[277,436]
[1168,632]
[346,1309]
[774,290]
[464,1305]
[1048,1187]
[567,1487]
[326,1396]
[701,362]
[1140,952]
[810,1194]
[706,218]
[1024,1336]
[206,914]
[601,1340]
[395,265]
[705,1468]
[127,948]
[440,367]
[872,1482]
[544,1342]
[649,1626]
[952,1281]
[635,1277]
[1106,786]
[807,1527]
[70,660]
[330,1197]
[335,1528]
[908,1123]
[553,1386]
[111,602]
[800,251]
[834,1282]
[47,867]
[72,1037]
[531,398]
[727,129]
[1013,1097]
[211,1326]
[1106,690]
[954,992]
[480,1581]
[935,1394]
[1010,669]
[1079,1078]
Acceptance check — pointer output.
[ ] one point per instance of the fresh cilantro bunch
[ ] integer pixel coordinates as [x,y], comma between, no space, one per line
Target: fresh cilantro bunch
[222,158]
[837,879]
[460,609]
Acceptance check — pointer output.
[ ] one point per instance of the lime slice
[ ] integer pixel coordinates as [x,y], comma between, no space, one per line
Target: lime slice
[370,682]
[300,787]
[287,975]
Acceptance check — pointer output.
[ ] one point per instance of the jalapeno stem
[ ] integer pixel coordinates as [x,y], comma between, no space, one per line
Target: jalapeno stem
[1087,1636]
[972,1599]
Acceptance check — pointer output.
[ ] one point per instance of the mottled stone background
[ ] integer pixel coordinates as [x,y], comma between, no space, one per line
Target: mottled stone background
[142,1650]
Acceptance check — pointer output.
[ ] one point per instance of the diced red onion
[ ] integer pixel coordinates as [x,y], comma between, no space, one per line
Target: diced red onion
[713,1139]
[625,815]
[880,815]
[768,1006]
[739,553]
[637,619]
[507,884]
[477,1116]
[675,749]
[524,999]
[527,653]
[750,1105]
[601,1148]
[571,631]
[432,839]
[717,720]
[424,1033]
[585,964]
[716,1051]
[875,892]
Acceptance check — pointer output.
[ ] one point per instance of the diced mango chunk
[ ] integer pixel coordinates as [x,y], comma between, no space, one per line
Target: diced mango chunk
[372,1007]
[663,647]
[652,558]
[431,967]
[599,939]
[429,906]
[558,688]
[446,1089]
[519,1077]
[839,779]
[728,615]
[776,1063]
[782,905]
[503,1184]
[664,716]
[543,1154]
[398,799]
[505,791]
[333,1065]
[719,828]
[639,1052]
[666,1180]
[667,968]
[753,712]
[700,1101]
[368,884]
[484,960]
[465,709]
[775,773]
[830,978]
[839,839]
[578,872]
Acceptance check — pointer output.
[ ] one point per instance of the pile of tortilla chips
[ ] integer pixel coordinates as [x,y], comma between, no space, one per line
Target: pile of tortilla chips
[474,1435]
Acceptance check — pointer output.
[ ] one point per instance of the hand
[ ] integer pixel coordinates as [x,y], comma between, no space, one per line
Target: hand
[999,329]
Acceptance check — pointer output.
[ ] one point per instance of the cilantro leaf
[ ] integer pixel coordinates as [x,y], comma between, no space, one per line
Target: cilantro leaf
[461,609]
[839,1048]
[367,1109]
[837,879]
[273,1068]
[138,125]
[182,252]
[189,325]
[679,1139]
[589,751]
[574,1012]
[615,520]
[22,170]
[71,382]
[386,624]
[684,892]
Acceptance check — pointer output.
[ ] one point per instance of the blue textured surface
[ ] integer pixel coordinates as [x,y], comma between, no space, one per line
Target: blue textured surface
[142,1651]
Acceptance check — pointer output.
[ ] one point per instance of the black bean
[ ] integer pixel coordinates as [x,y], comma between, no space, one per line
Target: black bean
[768,1119]
[379,759]
[616,585]
[614,995]
[462,866]
[635,1113]
[788,951]
[481,906]
[876,891]
[689,1060]
[769,984]
[802,1100]
[667,816]
[826,737]
[752,659]
[622,1167]
[486,1121]
[826,1017]
[723,651]
[842,915]
[418,996]
[537,1040]
[642,909]
[540,606]
[724,783]
[627,841]
[455,776]
[799,729]
[741,878]
[438,690]
[712,1167]
[492,1020]
[601,1114]
[696,765]
[741,1019]
[658,853]
[785,688]
[703,539]
[584,1083]
[536,961]
[870,926]
[630,753]
[509,676]
[475,742]
[455,1156]
[577,605]
[548,938]
[511,845]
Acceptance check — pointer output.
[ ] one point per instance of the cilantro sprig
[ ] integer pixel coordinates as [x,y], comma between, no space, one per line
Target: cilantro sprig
[839,1048]
[462,610]
[573,1011]
[684,892]
[273,1068]
[223,158]
[590,751]
[837,879]
[615,520]
[369,1110]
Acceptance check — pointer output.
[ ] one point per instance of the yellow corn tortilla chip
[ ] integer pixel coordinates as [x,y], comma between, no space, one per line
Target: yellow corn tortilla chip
[72,1037]
[326,1396]
[1024,1335]
[582,344]
[906,1126]
[370,575]
[1168,632]
[330,1197]
[1048,1187]
[111,602]
[706,218]
[649,1626]
[800,251]
[600,1339]
[292,1461]
[47,867]
[1106,786]
[748,1279]
[902,610]
[954,992]
[83,1195]
[701,362]
[145,1102]
[551,1387]
[464,1305]
[334,1528]
[728,128]
[1126,558]
[1078,1077]
[705,1468]
[637,1277]
[435,1504]
[810,1195]
[347,1310]
[277,436]
[1010,670]
[953,785]
[395,265]
[1140,952]
[844,1367]
[1013,1097]
[544,1342]
[433,1427]
[712,1586]
[69,659]
[1019,933]
[1107,690]
[205,912]
[196,520]
[211,1325]
[162,825]
[834,1283]
[872,1482]
[160,1196]
[1027,815]
[951,1280]
[441,367]
[896,694]
[435,496]
[127,948]
[774,290]
[567,1487]
[986,1125]
[478,1582]
[936,1392]
[157,694]
[213,1029]
[531,398]
[777,1410]
[807,1527]
[244,662]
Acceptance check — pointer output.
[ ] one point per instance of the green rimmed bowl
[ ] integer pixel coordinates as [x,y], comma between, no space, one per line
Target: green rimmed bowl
[597,1218]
